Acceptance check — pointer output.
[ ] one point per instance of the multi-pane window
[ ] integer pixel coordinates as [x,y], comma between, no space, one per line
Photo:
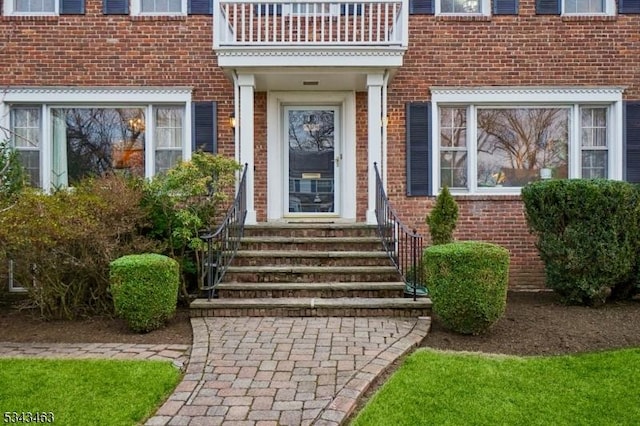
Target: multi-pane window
[584,7]
[161,6]
[169,137]
[84,141]
[34,6]
[484,147]
[26,131]
[453,147]
[593,128]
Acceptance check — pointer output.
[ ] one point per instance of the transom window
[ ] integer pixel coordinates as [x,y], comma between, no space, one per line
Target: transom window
[483,142]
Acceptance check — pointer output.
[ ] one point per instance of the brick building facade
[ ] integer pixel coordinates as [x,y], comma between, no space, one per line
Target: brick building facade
[405,67]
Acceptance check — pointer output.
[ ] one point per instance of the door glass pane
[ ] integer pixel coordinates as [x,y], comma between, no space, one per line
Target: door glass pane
[311,161]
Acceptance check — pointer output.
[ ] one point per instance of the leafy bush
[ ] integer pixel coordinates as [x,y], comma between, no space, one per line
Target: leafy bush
[62,243]
[145,289]
[12,174]
[587,234]
[443,217]
[185,201]
[467,284]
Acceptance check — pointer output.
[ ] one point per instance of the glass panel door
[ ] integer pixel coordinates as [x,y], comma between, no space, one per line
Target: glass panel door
[312,160]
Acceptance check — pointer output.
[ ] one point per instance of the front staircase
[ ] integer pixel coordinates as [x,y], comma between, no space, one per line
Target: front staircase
[311,269]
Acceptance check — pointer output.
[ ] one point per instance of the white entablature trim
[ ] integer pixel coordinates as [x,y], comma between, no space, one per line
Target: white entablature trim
[513,95]
[307,52]
[96,94]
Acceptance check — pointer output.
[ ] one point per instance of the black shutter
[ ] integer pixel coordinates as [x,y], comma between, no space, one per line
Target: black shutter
[422,7]
[629,6]
[505,7]
[547,7]
[72,7]
[418,128]
[200,7]
[632,141]
[354,9]
[204,133]
[268,9]
[115,7]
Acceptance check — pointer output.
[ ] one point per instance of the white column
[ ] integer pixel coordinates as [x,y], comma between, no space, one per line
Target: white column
[244,126]
[374,86]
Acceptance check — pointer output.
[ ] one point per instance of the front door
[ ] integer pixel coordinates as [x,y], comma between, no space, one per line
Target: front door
[312,159]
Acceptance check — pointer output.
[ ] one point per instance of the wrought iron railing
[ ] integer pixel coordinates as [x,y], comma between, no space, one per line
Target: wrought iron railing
[223,243]
[403,245]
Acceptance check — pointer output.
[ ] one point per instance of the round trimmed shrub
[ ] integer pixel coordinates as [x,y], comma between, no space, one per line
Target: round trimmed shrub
[467,284]
[144,289]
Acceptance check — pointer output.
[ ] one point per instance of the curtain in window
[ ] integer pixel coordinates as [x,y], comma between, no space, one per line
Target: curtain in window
[60,175]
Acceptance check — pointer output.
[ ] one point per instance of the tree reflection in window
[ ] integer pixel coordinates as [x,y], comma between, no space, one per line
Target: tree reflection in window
[515,143]
[96,141]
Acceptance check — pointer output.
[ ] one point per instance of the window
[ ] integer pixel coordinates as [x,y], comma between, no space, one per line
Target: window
[30,7]
[26,130]
[169,137]
[588,7]
[61,139]
[159,7]
[463,7]
[490,145]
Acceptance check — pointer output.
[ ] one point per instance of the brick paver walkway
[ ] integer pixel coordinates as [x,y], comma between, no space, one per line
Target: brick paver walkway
[284,371]
[178,354]
[262,371]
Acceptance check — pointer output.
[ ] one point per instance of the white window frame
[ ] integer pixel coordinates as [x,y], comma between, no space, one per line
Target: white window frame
[136,10]
[609,10]
[52,98]
[570,97]
[485,9]
[13,287]
[9,9]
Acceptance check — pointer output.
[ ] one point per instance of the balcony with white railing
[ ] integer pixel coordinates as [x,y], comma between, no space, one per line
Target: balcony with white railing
[310,32]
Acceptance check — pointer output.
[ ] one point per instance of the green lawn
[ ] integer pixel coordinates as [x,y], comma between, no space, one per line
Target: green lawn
[446,388]
[84,392]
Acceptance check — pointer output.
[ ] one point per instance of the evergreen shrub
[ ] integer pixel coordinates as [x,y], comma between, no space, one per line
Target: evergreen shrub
[587,236]
[467,284]
[144,289]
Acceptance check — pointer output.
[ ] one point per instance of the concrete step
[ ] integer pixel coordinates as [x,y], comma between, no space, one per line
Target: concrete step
[310,258]
[292,243]
[311,230]
[316,290]
[312,307]
[310,274]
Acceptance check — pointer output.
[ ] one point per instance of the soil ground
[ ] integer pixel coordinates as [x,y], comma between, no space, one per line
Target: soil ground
[535,323]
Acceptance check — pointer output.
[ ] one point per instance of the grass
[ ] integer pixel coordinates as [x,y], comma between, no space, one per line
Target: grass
[85,392]
[444,388]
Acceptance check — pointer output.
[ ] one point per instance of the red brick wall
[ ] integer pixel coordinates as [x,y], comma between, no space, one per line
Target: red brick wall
[524,50]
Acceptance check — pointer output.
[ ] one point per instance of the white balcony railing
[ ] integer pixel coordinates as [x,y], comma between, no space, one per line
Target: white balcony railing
[280,23]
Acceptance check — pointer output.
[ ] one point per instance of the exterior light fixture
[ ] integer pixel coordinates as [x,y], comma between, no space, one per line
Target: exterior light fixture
[232,121]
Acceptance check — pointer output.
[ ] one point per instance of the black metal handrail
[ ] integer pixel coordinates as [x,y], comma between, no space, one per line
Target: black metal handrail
[223,243]
[403,245]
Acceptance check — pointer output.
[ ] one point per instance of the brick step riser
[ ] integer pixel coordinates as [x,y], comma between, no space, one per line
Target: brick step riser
[309,312]
[317,277]
[326,293]
[311,261]
[309,232]
[315,246]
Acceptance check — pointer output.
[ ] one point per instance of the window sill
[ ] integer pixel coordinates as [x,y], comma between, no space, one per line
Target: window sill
[589,18]
[486,197]
[463,18]
[147,18]
[17,18]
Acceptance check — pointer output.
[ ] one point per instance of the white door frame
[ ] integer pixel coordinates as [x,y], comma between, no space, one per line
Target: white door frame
[276,169]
